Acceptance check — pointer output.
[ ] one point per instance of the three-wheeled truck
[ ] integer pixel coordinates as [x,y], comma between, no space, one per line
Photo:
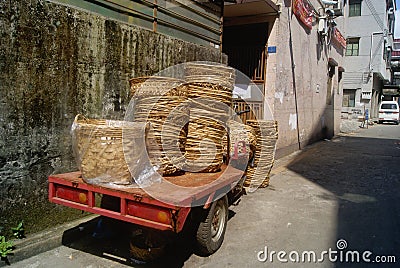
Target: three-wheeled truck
[163,206]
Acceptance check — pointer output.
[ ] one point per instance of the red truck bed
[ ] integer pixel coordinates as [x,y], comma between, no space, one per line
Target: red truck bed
[165,208]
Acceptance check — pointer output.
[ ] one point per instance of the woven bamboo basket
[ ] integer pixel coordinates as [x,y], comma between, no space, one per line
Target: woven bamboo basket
[162,101]
[157,86]
[215,74]
[105,147]
[207,127]
[204,148]
[146,246]
[238,133]
[267,135]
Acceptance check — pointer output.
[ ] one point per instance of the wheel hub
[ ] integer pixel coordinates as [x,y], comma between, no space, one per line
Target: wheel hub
[218,222]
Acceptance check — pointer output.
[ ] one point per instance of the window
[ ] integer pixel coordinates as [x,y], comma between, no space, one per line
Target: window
[352,47]
[354,8]
[389,106]
[349,98]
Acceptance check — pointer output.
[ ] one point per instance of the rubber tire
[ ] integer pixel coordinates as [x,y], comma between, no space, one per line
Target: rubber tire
[380,122]
[206,244]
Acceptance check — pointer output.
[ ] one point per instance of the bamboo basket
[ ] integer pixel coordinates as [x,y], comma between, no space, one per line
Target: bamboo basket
[105,148]
[162,101]
[210,92]
[157,86]
[238,133]
[146,245]
[267,135]
[215,74]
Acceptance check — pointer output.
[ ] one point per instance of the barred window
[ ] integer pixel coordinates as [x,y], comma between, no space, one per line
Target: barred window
[354,8]
[352,47]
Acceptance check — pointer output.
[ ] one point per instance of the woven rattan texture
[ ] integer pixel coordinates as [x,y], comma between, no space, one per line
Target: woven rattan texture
[162,102]
[103,147]
[210,93]
[267,134]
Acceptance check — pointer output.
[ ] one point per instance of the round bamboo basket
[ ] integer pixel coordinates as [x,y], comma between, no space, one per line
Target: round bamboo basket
[204,146]
[104,148]
[216,74]
[210,92]
[140,251]
[238,133]
[157,86]
[267,135]
[162,101]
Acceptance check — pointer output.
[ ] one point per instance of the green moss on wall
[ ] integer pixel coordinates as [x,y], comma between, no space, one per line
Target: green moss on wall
[56,62]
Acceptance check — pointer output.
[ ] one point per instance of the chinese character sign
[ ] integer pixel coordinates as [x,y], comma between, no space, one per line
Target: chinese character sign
[303,11]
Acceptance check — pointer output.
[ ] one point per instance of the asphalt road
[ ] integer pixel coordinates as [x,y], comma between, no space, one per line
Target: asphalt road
[336,199]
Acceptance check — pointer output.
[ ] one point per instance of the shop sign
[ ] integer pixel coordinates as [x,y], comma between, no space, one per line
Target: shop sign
[304,12]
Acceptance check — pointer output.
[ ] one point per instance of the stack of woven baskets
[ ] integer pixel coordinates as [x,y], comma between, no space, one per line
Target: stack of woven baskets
[186,125]
[105,147]
[267,134]
[242,138]
[210,92]
[162,101]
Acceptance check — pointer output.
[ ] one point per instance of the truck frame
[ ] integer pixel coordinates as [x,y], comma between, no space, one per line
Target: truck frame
[166,209]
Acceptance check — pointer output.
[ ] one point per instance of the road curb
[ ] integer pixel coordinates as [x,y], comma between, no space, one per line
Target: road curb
[49,239]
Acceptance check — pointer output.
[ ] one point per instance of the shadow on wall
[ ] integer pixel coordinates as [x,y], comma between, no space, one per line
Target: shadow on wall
[317,127]
[362,176]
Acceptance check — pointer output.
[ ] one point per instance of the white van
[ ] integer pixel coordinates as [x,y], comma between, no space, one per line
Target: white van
[389,111]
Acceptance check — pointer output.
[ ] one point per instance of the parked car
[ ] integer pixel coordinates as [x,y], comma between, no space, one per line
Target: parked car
[389,111]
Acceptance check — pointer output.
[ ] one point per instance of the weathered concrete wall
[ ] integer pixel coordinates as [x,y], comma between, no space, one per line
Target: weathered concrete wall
[56,62]
[315,117]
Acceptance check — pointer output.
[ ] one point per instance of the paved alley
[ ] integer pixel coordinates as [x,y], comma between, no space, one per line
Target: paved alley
[327,205]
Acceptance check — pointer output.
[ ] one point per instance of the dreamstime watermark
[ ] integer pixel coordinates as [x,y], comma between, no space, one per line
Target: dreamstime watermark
[340,254]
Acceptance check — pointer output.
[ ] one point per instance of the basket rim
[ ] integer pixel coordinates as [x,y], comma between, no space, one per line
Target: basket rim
[156,78]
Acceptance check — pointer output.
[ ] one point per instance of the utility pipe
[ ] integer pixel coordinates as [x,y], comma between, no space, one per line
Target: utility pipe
[370,49]
[294,78]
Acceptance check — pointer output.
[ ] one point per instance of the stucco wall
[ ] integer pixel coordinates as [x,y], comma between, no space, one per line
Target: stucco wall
[316,119]
[362,70]
[369,28]
[55,62]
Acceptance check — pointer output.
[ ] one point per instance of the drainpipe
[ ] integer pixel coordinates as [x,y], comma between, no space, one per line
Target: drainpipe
[294,78]
[370,50]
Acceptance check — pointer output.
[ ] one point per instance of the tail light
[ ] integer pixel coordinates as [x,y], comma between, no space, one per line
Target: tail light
[72,194]
[149,212]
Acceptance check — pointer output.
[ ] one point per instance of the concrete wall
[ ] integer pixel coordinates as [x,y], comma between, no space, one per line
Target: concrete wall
[316,118]
[56,62]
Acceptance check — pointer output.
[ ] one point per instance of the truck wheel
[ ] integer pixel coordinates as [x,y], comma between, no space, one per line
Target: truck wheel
[211,231]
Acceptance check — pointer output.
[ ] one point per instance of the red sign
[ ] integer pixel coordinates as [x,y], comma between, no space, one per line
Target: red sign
[339,37]
[303,11]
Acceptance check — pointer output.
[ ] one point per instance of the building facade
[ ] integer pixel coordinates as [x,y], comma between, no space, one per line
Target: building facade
[369,28]
[296,56]
[391,91]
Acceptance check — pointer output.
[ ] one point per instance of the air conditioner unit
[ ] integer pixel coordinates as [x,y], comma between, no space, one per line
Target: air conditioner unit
[335,5]
[322,29]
